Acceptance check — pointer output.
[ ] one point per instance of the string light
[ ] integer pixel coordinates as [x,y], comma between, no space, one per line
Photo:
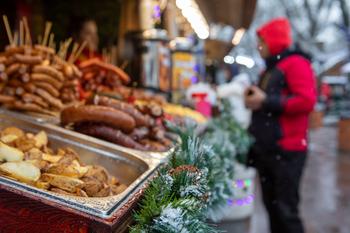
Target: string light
[241,201]
[238,36]
[229,59]
[194,16]
[247,61]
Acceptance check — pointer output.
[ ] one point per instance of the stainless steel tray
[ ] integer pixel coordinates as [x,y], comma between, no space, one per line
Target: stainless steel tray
[55,121]
[129,167]
[42,118]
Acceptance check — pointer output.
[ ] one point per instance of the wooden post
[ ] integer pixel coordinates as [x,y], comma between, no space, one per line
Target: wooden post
[344,134]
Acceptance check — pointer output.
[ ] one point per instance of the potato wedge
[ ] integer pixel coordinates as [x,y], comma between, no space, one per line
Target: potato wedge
[9,138]
[24,144]
[60,191]
[73,170]
[12,131]
[51,158]
[41,164]
[10,154]
[33,154]
[41,139]
[68,184]
[42,185]
[22,171]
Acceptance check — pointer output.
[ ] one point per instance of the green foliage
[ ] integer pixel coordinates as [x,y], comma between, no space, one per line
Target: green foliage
[230,143]
[176,200]
[197,181]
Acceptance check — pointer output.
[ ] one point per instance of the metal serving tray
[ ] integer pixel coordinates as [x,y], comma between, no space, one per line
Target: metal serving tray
[32,116]
[129,167]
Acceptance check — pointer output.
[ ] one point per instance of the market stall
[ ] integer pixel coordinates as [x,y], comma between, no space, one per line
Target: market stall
[82,147]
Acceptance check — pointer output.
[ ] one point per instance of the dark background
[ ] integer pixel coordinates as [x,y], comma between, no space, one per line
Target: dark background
[66,17]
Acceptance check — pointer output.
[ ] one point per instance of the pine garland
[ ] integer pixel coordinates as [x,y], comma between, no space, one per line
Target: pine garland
[176,200]
[197,181]
[230,142]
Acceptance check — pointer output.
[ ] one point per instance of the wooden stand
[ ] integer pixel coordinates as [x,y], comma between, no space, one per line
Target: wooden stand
[25,213]
[316,120]
[344,134]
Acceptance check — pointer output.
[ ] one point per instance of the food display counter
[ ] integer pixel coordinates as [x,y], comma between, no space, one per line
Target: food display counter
[43,210]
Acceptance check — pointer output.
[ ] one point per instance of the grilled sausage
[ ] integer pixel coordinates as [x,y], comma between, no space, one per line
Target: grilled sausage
[140,119]
[98,114]
[109,134]
[50,71]
[46,78]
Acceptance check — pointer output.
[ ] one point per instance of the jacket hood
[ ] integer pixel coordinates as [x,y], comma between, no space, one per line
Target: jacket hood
[276,34]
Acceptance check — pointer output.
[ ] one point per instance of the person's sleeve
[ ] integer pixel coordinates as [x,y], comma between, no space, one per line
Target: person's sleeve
[301,87]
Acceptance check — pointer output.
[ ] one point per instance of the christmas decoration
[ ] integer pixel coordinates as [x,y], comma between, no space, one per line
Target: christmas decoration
[197,182]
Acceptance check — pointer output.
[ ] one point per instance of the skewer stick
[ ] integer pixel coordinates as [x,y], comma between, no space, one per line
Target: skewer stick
[21,33]
[65,48]
[39,39]
[48,26]
[60,49]
[15,38]
[124,65]
[74,50]
[8,29]
[52,37]
[80,50]
[28,37]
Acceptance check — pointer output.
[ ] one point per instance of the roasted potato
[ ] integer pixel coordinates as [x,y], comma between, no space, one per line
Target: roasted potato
[51,158]
[42,185]
[73,170]
[12,131]
[25,144]
[33,154]
[105,192]
[10,154]
[22,171]
[68,184]
[92,186]
[98,173]
[60,191]
[41,139]
[116,189]
[9,138]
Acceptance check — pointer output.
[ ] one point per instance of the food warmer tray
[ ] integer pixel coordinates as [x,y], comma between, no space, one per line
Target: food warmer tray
[129,167]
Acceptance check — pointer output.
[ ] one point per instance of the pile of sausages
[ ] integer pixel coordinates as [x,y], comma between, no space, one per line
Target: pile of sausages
[34,78]
[100,76]
[118,122]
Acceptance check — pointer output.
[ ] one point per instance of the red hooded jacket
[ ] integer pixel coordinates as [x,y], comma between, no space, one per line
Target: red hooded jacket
[289,83]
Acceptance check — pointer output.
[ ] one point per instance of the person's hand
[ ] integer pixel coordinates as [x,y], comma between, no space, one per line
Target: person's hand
[254,97]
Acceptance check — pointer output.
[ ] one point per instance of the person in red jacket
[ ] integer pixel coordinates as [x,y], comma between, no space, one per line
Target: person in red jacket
[281,103]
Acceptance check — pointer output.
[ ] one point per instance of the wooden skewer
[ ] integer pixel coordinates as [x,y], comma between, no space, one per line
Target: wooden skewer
[74,50]
[52,37]
[80,50]
[124,65]
[40,39]
[21,33]
[28,37]
[60,50]
[65,48]
[48,26]
[8,29]
[15,38]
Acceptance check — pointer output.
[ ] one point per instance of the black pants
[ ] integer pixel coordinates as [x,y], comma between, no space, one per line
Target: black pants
[280,174]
